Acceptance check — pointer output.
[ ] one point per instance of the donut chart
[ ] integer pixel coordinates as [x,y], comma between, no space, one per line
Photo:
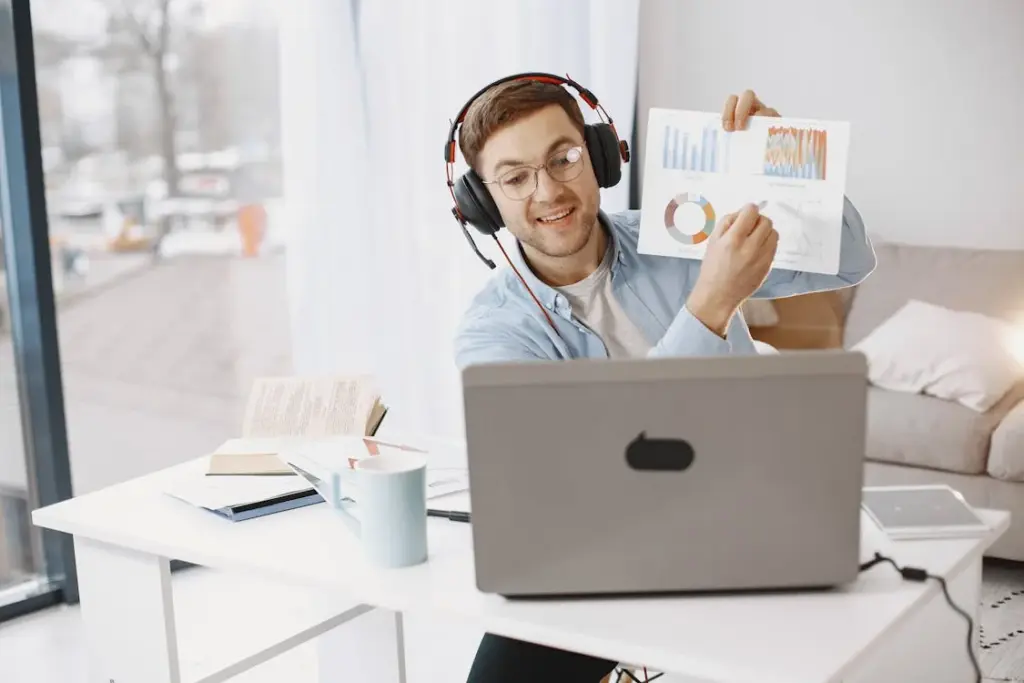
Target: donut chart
[670,217]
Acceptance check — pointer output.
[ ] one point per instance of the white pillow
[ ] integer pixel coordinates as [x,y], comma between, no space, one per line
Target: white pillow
[955,355]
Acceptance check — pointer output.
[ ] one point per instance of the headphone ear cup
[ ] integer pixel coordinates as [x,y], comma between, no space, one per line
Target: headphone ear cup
[476,204]
[603,146]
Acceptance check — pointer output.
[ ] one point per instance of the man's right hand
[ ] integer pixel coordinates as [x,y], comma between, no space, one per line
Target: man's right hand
[737,261]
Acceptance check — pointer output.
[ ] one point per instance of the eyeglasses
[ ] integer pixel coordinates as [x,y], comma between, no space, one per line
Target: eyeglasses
[521,182]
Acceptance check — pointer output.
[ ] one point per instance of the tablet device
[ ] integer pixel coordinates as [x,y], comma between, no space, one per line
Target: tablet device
[928,511]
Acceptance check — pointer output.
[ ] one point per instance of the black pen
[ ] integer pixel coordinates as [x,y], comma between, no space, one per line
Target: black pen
[451,515]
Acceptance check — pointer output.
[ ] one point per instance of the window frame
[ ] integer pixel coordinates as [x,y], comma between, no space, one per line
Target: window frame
[33,321]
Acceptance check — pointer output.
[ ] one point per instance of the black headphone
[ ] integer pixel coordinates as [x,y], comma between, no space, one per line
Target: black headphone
[473,202]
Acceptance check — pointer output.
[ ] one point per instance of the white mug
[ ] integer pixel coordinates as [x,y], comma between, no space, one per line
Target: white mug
[390,491]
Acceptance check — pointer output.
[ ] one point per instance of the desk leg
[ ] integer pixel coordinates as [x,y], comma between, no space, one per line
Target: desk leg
[369,649]
[128,614]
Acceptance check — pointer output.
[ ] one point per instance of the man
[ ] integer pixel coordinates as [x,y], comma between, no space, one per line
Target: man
[579,288]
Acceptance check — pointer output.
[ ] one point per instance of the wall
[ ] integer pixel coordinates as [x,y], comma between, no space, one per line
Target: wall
[933,90]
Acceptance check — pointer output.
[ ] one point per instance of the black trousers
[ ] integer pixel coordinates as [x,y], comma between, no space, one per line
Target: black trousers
[504,660]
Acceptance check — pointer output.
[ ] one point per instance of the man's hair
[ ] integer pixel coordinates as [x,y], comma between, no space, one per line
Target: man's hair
[506,103]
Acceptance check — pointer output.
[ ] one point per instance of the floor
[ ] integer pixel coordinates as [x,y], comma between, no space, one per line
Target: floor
[1002,622]
[48,647]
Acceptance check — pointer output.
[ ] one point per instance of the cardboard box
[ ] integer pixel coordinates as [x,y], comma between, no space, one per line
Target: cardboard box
[807,321]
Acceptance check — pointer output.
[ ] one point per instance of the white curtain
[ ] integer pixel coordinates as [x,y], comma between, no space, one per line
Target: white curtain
[379,271]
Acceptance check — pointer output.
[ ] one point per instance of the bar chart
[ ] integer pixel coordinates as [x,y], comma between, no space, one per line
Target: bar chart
[704,149]
[795,152]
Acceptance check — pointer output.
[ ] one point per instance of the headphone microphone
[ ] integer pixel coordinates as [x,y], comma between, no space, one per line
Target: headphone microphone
[469,238]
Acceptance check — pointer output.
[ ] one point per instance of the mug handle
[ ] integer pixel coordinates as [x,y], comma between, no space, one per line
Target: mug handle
[338,504]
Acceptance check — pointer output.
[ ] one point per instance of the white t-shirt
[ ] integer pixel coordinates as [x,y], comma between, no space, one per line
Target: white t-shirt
[594,304]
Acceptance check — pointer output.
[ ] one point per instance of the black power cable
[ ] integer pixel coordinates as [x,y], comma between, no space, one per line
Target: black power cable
[920,575]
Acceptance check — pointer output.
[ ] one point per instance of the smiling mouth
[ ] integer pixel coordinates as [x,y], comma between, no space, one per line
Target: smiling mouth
[560,218]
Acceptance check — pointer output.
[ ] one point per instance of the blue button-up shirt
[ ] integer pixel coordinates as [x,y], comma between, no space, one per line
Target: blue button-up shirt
[503,322]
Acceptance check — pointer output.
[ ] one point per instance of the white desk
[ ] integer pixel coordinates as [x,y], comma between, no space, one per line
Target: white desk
[878,629]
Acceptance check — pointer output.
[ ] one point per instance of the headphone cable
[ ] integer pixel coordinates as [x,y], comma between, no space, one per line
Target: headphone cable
[523,280]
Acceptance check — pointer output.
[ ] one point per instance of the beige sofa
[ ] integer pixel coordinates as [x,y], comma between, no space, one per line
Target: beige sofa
[913,438]
[917,439]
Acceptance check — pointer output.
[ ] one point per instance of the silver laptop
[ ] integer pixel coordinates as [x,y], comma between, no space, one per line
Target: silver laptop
[664,475]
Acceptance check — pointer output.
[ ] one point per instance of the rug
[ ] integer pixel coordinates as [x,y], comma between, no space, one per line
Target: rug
[1001,630]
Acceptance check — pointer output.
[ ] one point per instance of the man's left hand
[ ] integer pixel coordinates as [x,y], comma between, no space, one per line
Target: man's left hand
[740,108]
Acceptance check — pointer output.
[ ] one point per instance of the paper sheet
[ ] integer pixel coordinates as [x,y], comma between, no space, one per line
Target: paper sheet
[214,493]
[442,481]
[341,453]
[308,406]
[695,173]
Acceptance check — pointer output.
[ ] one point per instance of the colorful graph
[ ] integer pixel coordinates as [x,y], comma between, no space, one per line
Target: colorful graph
[695,150]
[703,204]
[796,152]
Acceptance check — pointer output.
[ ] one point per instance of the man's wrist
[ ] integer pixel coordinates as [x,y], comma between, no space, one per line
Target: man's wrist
[714,314]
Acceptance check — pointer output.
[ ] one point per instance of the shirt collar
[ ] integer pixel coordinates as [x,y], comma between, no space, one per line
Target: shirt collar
[550,297]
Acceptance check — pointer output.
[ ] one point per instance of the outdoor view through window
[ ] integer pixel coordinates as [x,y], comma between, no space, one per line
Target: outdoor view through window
[160,132]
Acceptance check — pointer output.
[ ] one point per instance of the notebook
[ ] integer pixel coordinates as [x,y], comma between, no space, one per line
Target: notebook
[243,497]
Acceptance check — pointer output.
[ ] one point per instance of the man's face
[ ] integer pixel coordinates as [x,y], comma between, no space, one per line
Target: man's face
[558,219]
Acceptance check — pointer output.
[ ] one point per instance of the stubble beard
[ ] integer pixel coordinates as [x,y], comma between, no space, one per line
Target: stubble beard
[559,249]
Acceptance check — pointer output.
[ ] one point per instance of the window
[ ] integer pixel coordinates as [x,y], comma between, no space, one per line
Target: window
[146,161]
[161,146]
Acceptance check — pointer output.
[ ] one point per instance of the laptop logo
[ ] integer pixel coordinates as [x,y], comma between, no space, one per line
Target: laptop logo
[659,454]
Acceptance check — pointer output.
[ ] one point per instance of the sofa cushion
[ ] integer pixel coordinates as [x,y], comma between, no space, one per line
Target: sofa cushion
[1006,452]
[960,356]
[924,431]
[990,282]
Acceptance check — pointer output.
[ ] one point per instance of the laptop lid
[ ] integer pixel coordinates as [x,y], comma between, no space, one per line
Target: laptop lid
[696,473]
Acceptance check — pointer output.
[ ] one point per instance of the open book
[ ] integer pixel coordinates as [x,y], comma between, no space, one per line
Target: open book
[283,411]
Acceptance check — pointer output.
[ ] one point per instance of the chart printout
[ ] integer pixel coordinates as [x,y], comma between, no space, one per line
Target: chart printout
[695,172]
